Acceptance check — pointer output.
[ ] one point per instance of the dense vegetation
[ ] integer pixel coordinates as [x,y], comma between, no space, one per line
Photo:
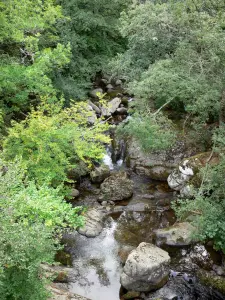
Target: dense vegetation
[171,55]
[174,62]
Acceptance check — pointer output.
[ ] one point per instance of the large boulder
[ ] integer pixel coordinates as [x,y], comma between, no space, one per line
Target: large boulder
[157,165]
[100,173]
[179,234]
[111,107]
[146,269]
[116,187]
[93,223]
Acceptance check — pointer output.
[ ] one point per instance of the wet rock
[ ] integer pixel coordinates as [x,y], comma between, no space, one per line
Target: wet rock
[94,92]
[131,295]
[201,257]
[157,165]
[210,279]
[179,234]
[58,293]
[93,223]
[63,257]
[124,252]
[146,269]
[175,289]
[99,174]
[57,273]
[116,187]
[220,271]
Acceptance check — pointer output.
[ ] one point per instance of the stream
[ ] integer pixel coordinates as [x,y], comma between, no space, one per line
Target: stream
[97,262]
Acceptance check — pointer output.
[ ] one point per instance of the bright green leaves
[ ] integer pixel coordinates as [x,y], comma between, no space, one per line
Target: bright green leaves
[21,19]
[48,142]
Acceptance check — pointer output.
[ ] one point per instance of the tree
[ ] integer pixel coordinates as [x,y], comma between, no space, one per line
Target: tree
[182,57]
[27,60]
[49,139]
[31,219]
[92,29]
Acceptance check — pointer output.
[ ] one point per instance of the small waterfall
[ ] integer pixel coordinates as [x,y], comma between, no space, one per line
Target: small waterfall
[107,159]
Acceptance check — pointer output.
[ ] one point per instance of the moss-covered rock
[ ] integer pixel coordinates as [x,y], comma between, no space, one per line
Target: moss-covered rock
[210,279]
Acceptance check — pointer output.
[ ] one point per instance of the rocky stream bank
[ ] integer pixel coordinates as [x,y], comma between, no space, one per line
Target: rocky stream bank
[131,246]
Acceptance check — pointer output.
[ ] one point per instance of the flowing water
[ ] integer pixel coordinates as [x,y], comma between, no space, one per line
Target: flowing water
[97,262]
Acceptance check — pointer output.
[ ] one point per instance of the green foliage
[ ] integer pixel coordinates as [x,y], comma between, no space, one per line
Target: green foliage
[207,210]
[29,219]
[182,55]
[51,137]
[152,132]
[21,85]
[92,29]
[27,60]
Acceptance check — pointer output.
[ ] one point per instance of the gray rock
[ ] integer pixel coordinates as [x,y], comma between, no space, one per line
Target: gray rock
[157,165]
[114,104]
[122,111]
[99,174]
[117,187]
[109,86]
[178,179]
[75,193]
[146,268]
[58,273]
[111,107]
[91,115]
[118,82]
[58,293]
[179,234]
[93,223]
[94,92]
[94,107]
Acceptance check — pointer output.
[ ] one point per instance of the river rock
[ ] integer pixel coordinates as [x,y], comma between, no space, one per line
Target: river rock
[210,279]
[94,92]
[179,234]
[157,165]
[99,174]
[116,187]
[74,193]
[118,82]
[94,107]
[122,111]
[178,178]
[58,273]
[58,293]
[114,104]
[146,269]
[187,173]
[93,223]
